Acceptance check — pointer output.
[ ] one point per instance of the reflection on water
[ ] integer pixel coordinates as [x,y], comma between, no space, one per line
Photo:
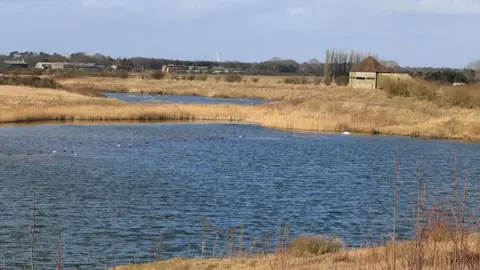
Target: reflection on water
[117,189]
[157,98]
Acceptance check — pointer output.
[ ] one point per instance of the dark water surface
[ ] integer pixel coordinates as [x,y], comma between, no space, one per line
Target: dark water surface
[155,98]
[117,191]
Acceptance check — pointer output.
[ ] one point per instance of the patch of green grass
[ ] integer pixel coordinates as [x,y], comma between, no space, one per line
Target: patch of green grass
[314,245]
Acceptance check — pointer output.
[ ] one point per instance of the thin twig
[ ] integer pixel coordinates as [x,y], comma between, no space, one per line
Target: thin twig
[32,244]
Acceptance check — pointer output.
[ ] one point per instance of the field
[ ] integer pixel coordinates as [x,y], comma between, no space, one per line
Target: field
[271,87]
[300,107]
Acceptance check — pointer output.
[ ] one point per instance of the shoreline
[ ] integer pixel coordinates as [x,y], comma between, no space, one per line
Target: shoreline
[308,109]
[40,122]
[436,252]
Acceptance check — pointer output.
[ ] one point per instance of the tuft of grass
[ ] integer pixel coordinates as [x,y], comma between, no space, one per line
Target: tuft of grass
[397,88]
[314,245]
[231,78]
[467,96]
[158,75]
[317,80]
[32,81]
[341,80]
[202,78]
[327,81]
[296,80]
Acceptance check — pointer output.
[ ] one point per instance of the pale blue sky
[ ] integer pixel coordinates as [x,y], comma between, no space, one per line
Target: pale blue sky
[412,32]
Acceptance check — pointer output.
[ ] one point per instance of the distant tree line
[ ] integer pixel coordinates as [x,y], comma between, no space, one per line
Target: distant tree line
[447,75]
[337,63]
[273,66]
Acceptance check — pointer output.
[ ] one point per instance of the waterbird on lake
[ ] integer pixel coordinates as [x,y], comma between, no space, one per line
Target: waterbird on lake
[345,133]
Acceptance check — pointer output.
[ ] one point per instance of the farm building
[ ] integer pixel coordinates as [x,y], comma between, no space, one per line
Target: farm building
[83,66]
[371,74]
[50,65]
[173,68]
[14,64]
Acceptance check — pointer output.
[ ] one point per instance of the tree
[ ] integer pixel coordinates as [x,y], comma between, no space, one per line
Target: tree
[275,59]
[390,63]
[475,65]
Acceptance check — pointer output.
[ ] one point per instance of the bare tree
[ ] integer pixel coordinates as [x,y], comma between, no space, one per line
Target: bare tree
[475,65]
[339,63]
[390,63]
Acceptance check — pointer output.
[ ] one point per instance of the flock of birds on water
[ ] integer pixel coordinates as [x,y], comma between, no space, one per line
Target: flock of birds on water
[118,145]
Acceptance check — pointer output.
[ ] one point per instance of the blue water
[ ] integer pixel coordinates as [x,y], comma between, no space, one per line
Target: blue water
[156,98]
[117,191]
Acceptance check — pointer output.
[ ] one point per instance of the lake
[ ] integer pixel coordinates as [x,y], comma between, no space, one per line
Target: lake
[119,191]
[156,98]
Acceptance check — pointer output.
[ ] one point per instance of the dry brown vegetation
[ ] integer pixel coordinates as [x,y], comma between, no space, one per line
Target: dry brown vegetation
[453,114]
[267,87]
[437,255]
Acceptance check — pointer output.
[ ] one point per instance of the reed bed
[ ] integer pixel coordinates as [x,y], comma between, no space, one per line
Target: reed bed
[334,109]
[264,88]
[438,255]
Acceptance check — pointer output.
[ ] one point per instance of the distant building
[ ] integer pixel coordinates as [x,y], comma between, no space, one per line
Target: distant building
[173,68]
[122,68]
[14,64]
[200,69]
[83,66]
[371,74]
[50,65]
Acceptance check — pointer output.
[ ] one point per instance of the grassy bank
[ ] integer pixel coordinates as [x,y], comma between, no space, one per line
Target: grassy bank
[214,86]
[313,108]
[434,254]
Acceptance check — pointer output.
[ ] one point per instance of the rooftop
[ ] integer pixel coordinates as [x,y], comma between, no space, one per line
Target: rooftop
[14,62]
[370,64]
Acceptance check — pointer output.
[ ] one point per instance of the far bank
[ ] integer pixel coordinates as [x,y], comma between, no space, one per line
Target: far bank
[324,109]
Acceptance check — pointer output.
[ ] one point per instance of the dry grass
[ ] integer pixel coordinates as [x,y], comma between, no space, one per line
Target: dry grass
[437,255]
[266,88]
[302,107]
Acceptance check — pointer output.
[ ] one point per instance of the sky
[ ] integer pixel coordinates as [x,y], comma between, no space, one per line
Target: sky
[438,33]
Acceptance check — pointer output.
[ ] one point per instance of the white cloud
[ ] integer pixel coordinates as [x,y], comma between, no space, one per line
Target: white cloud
[297,11]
